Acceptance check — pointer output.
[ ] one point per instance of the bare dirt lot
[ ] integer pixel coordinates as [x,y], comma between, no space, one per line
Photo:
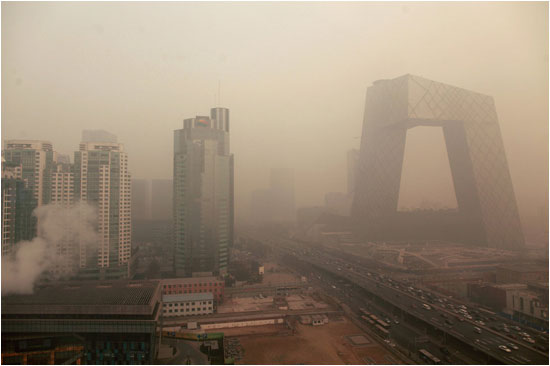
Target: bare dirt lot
[275,275]
[327,344]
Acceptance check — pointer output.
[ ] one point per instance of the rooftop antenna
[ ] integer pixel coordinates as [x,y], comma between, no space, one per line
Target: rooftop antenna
[219,93]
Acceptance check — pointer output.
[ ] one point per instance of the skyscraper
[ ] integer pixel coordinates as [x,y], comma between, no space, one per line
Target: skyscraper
[36,160]
[203,194]
[102,179]
[487,212]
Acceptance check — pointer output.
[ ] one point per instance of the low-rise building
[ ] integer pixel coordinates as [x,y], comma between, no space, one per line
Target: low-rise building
[521,273]
[187,304]
[528,306]
[99,322]
[194,285]
[493,296]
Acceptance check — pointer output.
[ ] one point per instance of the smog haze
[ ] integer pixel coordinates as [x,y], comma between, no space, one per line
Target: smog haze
[294,76]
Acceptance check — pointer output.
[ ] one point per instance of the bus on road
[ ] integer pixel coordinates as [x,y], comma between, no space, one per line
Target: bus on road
[428,357]
[383,323]
[382,332]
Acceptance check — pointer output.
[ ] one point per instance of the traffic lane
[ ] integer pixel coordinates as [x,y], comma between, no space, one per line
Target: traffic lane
[328,261]
[467,330]
[480,314]
[387,291]
[402,335]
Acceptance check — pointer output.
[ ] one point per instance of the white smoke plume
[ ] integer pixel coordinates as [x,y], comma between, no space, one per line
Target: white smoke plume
[61,232]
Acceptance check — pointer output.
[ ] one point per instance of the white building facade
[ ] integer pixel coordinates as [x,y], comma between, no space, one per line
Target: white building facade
[101,178]
[187,304]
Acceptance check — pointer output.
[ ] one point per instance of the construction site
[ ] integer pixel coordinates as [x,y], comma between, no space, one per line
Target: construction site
[280,321]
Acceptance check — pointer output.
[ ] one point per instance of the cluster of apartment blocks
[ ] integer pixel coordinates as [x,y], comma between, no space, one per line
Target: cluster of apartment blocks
[33,174]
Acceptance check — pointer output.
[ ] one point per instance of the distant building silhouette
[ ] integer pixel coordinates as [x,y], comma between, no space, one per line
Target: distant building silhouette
[352,159]
[276,204]
[203,194]
[141,199]
[261,203]
[338,202]
[98,136]
[282,189]
[161,199]
[487,212]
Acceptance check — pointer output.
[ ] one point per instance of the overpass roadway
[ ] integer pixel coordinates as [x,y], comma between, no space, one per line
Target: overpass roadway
[487,341]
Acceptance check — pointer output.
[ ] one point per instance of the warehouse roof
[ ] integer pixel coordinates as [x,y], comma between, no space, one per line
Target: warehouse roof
[90,297]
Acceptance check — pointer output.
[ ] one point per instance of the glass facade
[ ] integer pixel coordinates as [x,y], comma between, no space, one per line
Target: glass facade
[203,194]
[488,214]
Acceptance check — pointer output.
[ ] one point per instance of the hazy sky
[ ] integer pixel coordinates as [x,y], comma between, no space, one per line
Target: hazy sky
[294,76]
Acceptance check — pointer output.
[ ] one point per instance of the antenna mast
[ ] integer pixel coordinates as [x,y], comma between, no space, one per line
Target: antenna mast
[219,93]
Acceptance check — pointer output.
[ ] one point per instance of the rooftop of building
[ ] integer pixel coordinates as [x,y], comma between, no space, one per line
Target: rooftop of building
[509,286]
[189,280]
[203,296]
[87,297]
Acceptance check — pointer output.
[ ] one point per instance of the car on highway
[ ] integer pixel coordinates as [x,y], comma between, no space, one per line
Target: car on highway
[504,348]
[528,340]
[542,347]
[426,306]
[477,330]
[512,346]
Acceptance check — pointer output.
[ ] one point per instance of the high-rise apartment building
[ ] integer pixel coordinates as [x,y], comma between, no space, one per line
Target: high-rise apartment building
[17,205]
[62,184]
[203,194]
[101,178]
[36,160]
[67,248]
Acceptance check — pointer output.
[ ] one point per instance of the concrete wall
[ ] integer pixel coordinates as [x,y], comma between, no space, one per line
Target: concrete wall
[248,323]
